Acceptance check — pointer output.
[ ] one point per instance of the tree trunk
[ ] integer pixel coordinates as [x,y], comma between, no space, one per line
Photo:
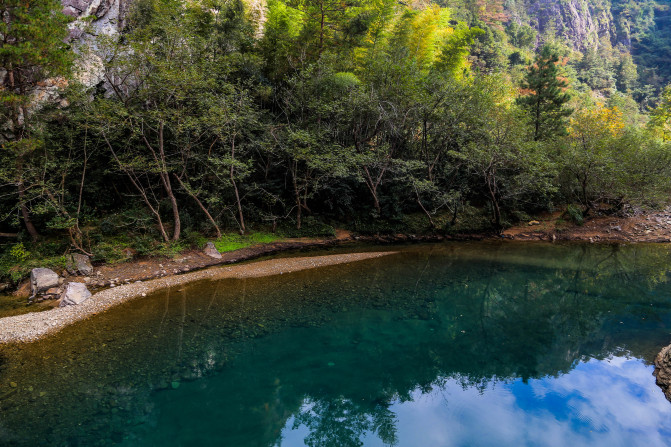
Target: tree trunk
[495,204]
[372,187]
[200,204]
[235,189]
[165,177]
[297,195]
[34,234]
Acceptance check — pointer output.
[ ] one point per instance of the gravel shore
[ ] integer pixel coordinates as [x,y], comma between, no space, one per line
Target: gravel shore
[33,326]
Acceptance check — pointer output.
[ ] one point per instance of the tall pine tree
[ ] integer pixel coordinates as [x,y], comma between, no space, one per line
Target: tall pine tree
[544,96]
[32,49]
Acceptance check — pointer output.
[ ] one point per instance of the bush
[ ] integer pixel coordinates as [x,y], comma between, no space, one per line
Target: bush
[111,252]
[230,242]
[310,227]
[575,214]
[17,262]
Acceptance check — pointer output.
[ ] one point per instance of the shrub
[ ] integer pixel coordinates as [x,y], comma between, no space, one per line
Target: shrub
[575,214]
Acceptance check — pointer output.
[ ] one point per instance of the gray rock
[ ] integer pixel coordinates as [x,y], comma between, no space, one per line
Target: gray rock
[662,371]
[211,250]
[41,280]
[79,264]
[75,293]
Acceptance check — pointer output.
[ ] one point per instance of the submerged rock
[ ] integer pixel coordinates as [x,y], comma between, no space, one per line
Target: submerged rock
[79,264]
[211,250]
[41,280]
[75,293]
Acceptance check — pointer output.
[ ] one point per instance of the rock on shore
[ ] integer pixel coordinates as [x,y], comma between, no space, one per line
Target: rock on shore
[41,280]
[663,371]
[75,293]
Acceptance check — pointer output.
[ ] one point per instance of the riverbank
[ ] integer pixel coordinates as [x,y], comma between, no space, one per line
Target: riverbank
[648,228]
[33,326]
[652,227]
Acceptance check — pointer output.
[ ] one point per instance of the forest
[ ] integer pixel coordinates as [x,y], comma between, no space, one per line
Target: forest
[206,119]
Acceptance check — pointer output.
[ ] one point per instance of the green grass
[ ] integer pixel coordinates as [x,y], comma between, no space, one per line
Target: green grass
[231,241]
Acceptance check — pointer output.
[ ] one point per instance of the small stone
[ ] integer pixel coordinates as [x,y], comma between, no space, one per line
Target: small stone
[534,222]
[211,251]
[75,293]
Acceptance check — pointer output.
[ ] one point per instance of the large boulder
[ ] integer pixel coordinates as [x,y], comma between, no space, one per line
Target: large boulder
[663,371]
[211,250]
[41,280]
[75,293]
[79,264]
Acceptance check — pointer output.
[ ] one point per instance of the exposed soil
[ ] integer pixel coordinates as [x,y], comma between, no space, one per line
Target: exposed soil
[654,227]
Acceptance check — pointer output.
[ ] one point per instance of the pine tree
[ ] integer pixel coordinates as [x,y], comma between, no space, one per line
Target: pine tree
[544,97]
[32,49]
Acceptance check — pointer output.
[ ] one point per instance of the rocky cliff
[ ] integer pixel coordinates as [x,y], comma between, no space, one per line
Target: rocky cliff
[95,16]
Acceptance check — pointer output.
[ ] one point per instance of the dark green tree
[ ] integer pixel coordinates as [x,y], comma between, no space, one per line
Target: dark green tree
[544,96]
[32,54]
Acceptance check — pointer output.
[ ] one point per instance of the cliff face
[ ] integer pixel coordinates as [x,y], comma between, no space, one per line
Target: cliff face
[107,16]
[583,23]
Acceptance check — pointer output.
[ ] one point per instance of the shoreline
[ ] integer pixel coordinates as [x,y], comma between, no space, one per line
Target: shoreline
[33,326]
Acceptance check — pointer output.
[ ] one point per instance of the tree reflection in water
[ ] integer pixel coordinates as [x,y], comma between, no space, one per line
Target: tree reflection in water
[333,350]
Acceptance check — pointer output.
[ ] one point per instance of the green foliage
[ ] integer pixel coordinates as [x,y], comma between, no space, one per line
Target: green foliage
[575,214]
[383,116]
[311,227]
[233,241]
[16,262]
[111,252]
[660,117]
[544,96]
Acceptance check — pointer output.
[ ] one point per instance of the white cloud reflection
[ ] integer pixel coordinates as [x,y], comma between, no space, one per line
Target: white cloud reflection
[613,402]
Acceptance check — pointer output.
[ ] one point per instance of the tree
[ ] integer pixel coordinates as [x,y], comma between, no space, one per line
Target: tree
[543,96]
[660,117]
[32,53]
[508,168]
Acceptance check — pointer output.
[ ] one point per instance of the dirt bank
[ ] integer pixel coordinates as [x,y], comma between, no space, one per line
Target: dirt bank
[653,227]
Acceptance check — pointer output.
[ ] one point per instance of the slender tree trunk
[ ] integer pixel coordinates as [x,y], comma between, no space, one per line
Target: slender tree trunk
[200,204]
[421,205]
[165,177]
[495,204]
[372,187]
[297,195]
[34,234]
[235,189]
[138,186]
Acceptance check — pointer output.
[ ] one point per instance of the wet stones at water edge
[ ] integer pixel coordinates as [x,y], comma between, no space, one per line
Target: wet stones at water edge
[75,293]
[42,280]
[211,250]
[663,371]
[79,264]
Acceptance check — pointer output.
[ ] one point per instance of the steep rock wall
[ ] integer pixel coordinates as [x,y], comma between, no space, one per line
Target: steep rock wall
[583,23]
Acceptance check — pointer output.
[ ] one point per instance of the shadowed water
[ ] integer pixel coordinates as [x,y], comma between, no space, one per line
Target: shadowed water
[439,345]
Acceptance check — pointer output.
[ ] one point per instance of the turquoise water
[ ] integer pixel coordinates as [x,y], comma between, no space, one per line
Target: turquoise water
[470,344]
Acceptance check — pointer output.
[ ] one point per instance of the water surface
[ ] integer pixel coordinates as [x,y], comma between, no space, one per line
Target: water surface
[438,345]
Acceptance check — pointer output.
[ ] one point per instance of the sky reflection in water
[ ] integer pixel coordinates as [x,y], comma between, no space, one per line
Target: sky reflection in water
[444,345]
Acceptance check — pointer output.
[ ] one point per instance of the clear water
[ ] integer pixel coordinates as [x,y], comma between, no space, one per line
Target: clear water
[470,344]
